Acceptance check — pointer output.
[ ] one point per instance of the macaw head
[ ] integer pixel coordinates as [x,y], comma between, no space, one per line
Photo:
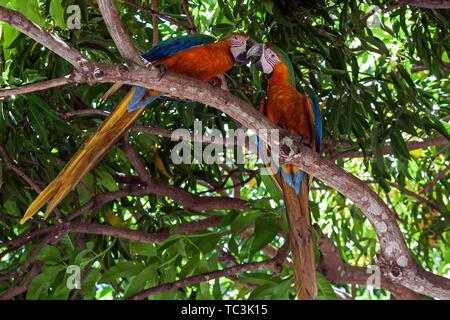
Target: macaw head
[239,44]
[271,58]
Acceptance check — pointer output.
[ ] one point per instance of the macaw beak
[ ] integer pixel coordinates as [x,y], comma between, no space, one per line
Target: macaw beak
[250,43]
[256,51]
[242,58]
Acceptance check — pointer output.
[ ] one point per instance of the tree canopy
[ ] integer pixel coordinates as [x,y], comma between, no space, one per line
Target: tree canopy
[141,226]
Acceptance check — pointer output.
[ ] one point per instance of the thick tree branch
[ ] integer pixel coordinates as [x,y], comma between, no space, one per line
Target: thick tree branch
[52,42]
[118,33]
[337,272]
[428,4]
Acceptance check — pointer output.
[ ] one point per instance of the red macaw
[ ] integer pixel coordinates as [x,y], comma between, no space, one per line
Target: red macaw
[289,109]
[196,56]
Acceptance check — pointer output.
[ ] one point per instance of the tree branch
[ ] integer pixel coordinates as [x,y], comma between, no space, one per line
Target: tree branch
[155,22]
[337,272]
[52,42]
[37,86]
[193,27]
[412,145]
[118,33]
[188,200]
[154,12]
[19,172]
[227,272]
[429,4]
[433,182]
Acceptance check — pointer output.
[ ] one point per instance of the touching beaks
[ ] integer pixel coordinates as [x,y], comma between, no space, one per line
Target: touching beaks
[250,43]
[256,50]
[242,57]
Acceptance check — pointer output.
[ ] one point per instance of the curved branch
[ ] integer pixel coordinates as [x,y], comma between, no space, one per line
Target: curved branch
[436,179]
[37,86]
[52,42]
[118,33]
[412,145]
[227,272]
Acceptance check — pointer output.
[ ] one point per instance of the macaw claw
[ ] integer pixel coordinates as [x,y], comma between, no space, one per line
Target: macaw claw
[162,71]
[216,82]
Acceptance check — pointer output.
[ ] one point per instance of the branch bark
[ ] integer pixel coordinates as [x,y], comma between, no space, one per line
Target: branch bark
[52,42]
[118,33]
[433,182]
[37,86]
[227,272]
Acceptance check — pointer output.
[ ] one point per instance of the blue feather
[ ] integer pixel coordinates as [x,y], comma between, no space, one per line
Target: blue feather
[287,178]
[172,46]
[317,118]
[298,178]
[137,102]
[163,50]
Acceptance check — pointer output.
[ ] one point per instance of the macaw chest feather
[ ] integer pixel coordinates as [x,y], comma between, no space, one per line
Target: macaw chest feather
[289,109]
[202,63]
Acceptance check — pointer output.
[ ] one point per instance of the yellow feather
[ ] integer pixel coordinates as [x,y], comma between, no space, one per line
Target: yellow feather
[86,158]
[114,88]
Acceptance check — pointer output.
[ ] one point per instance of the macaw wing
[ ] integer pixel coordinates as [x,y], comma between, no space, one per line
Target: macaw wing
[172,46]
[317,118]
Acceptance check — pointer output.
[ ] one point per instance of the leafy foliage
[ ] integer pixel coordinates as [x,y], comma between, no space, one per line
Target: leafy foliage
[378,84]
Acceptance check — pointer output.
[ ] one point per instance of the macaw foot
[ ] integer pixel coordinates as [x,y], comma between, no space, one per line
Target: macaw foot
[290,142]
[162,71]
[215,82]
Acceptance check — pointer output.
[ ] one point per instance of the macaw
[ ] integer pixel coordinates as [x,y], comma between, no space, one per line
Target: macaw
[289,109]
[197,56]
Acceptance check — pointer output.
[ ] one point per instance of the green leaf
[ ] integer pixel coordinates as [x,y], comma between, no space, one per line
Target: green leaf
[265,231]
[107,181]
[324,289]
[399,145]
[268,5]
[89,285]
[124,269]
[57,13]
[143,249]
[36,121]
[41,283]
[49,254]
[334,72]
[223,28]
[140,282]
[272,188]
